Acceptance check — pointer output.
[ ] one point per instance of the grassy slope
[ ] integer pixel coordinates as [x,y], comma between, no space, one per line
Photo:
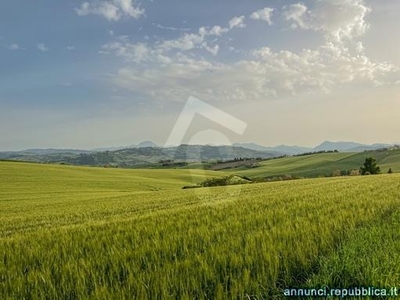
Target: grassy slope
[33,195]
[86,179]
[86,233]
[321,164]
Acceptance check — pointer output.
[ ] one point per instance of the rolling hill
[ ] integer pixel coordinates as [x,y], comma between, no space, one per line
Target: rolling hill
[322,164]
[325,146]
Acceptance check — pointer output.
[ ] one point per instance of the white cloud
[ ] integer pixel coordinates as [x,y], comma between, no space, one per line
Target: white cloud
[187,42]
[70,48]
[237,22]
[165,52]
[161,50]
[42,47]
[267,75]
[264,14]
[140,52]
[112,10]
[298,14]
[169,70]
[323,69]
[13,47]
[339,20]
[106,9]
[213,50]
[217,30]
[137,53]
[128,8]
[199,40]
[170,27]
[359,47]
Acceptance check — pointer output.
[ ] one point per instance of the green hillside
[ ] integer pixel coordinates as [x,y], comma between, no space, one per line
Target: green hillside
[39,178]
[323,164]
[97,233]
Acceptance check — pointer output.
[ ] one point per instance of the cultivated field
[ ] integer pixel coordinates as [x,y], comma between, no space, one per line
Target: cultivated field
[321,164]
[94,233]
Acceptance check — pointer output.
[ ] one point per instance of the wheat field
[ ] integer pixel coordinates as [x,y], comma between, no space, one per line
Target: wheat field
[94,233]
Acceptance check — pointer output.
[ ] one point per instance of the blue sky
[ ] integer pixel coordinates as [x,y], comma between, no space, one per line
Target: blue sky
[86,74]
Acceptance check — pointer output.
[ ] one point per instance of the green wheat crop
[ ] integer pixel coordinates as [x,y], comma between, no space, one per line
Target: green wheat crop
[88,233]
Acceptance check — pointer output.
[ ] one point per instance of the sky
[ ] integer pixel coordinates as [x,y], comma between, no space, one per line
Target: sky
[101,73]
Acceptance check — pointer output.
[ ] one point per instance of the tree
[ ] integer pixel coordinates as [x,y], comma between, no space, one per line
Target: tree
[390,171]
[370,167]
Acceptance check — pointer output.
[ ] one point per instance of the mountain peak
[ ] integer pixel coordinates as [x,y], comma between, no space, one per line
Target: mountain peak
[147,144]
[340,146]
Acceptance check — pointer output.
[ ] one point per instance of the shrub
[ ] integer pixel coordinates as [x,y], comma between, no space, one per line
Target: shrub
[354,172]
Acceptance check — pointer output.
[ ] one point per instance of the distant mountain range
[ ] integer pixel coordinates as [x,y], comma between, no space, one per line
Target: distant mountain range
[287,150]
[348,146]
[137,156]
[145,144]
[148,153]
[325,146]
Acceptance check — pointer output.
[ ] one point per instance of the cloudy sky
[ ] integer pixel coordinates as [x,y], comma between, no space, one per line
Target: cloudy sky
[87,74]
